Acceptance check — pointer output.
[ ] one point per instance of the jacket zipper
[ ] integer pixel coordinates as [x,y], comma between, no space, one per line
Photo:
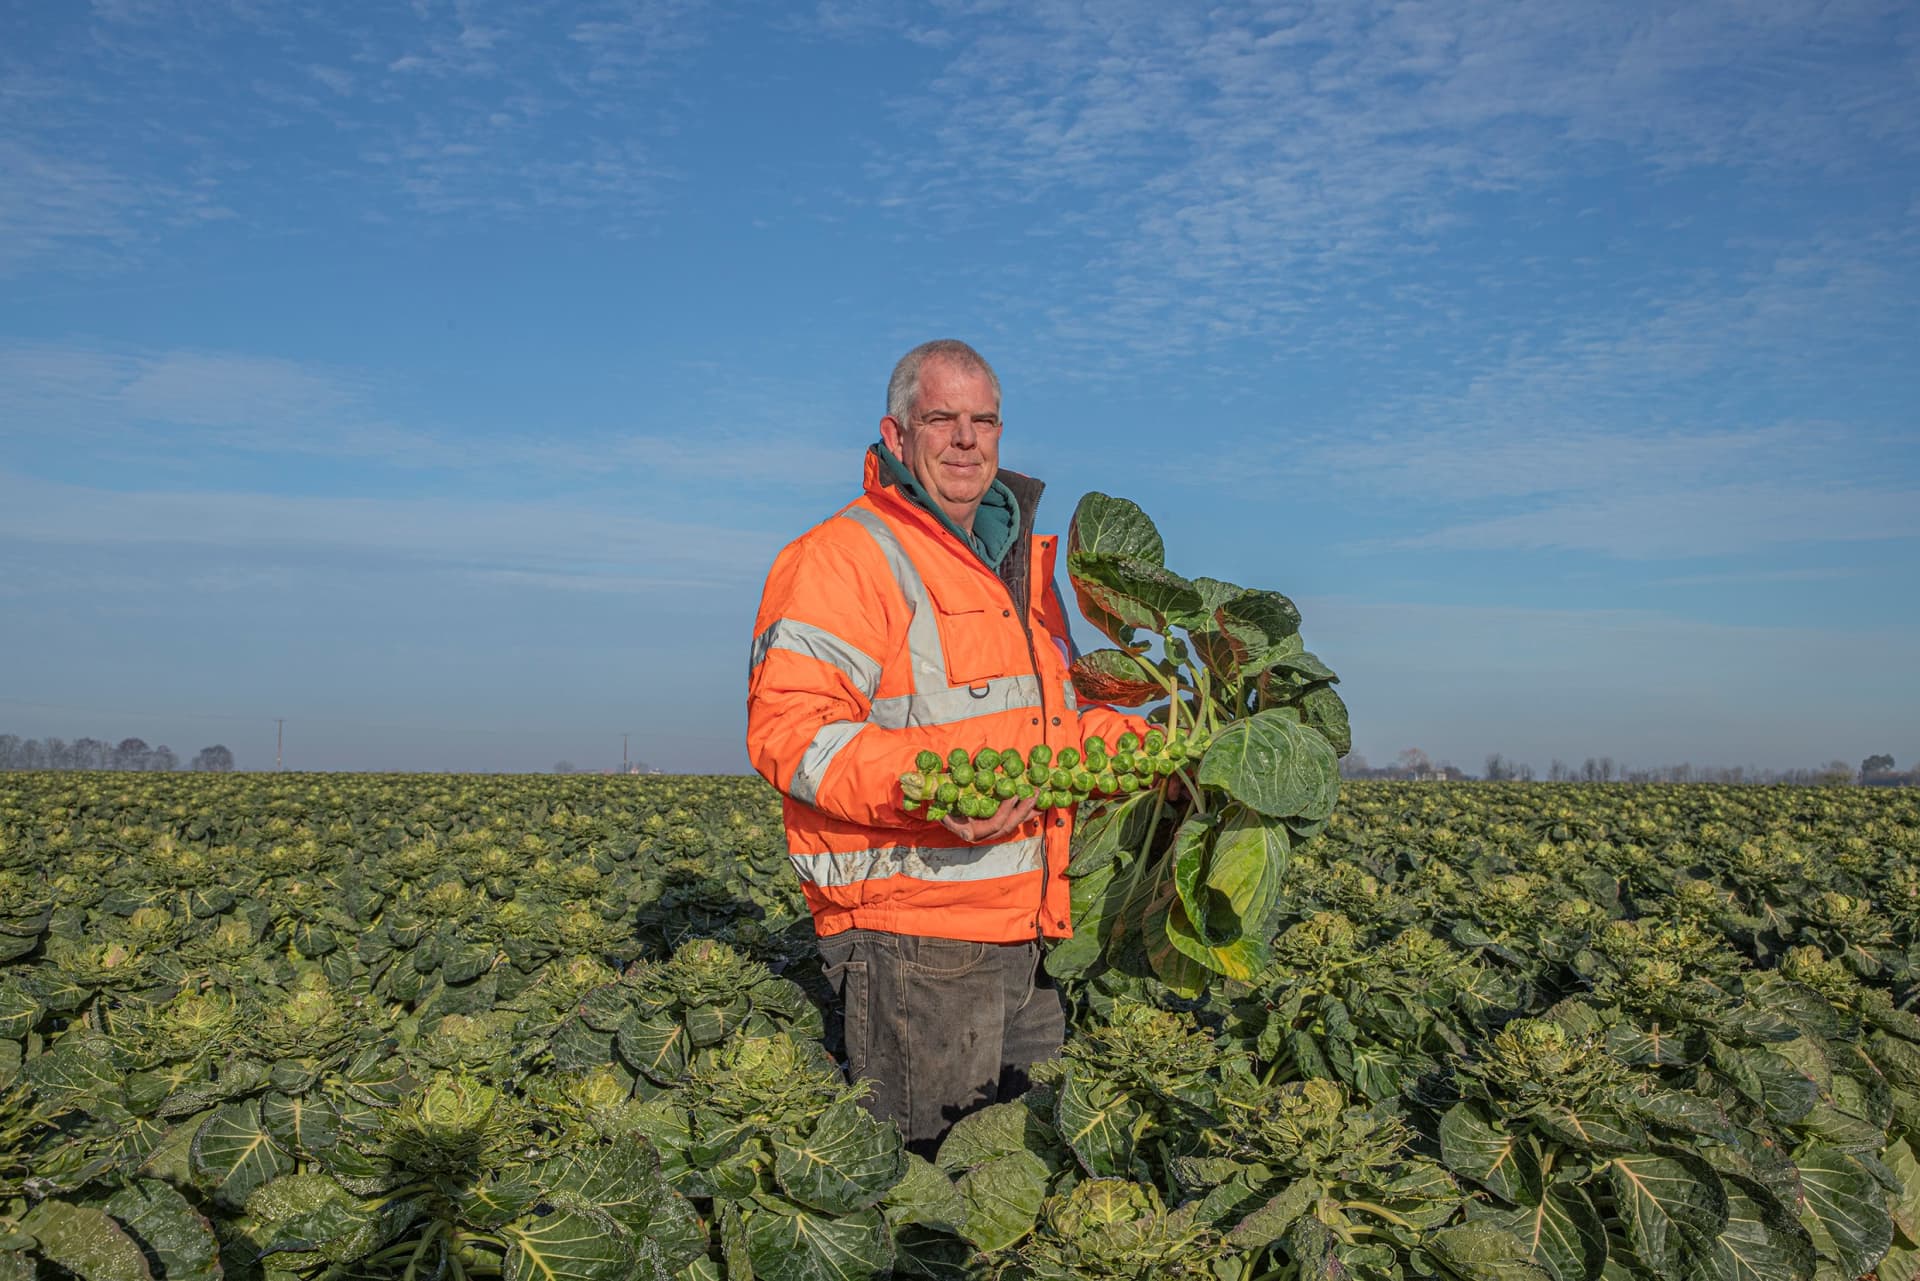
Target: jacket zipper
[1040,683]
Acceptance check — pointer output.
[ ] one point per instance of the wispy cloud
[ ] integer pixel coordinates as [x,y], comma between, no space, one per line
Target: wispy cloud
[1692,522]
[176,408]
[505,536]
[1226,171]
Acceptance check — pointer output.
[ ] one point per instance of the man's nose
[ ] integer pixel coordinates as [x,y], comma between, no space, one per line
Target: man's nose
[963,431]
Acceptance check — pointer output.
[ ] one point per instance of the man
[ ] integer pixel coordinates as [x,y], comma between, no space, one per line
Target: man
[923,615]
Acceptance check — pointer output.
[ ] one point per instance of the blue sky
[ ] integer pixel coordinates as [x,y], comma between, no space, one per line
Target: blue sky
[443,377]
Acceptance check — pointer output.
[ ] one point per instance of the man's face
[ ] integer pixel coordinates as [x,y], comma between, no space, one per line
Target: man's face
[951,440]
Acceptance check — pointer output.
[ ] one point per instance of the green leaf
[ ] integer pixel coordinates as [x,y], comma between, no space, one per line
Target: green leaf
[655,1045]
[1306,666]
[1115,676]
[233,1152]
[1001,1129]
[1116,526]
[802,1246]
[620,1179]
[1003,1199]
[1846,1208]
[303,1214]
[709,1024]
[1769,1080]
[1904,1205]
[925,1196]
[846,1163]
[1669,1206]
[1902,1263]
[1592,1126]
[1758,1244]
[1270,1222]
[307,1124]
[1562,1231]
[569,1245]
[1322,708]
[1474,1147]
[1274,765]
[1070,958]
[169,1229]
[1479,1251]
[1096,1118]
[1136,592]
[1228,874]
[1115,827]
[1256,623]
[79,1073]
[86,1242]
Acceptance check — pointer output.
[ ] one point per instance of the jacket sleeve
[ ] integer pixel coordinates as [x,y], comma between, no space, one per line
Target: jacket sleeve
[827,623]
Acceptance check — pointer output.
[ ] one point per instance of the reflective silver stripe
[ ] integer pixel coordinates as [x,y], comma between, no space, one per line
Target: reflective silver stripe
[826,744]
[943,707]
[818,642]
[1073,695]
[928,659]
[923,862]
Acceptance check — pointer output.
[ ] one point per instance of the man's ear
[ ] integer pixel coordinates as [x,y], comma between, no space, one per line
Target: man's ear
[892,435]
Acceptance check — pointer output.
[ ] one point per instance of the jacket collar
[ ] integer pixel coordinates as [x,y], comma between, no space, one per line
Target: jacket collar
[1016,566]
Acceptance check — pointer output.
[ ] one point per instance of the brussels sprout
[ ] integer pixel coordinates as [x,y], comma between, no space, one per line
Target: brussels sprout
[1107,781]
[1023,789]
[1128,783]
[1040,754]
[1096,761]
[986,759]
[1067,758]
[1059,780]
[1038,773]
[1011,762]
[1128,742]
[1125,763]
[1095,744]
[958,757]
[936,812]
[927,762]
[1082,781]
[1003,788]
[947,793]
[1156,742]
[963,774]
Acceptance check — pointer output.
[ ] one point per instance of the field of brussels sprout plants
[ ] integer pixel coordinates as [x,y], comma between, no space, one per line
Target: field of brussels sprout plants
[569,1028]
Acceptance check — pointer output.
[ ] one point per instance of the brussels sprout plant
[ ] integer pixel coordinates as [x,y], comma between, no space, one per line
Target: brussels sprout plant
[1186,890]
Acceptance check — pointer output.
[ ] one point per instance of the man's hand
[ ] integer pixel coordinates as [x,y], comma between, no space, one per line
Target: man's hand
[978,831]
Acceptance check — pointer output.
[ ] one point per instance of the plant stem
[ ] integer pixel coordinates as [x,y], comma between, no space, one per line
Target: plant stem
[1378,1211]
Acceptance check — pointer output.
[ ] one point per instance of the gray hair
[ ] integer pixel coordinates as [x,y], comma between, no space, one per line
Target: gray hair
[904,387]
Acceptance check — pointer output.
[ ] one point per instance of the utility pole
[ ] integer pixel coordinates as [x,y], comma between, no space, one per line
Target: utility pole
[279,740]
[623,753]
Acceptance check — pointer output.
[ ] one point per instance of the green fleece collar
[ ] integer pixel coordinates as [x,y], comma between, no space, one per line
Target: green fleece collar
[994,524]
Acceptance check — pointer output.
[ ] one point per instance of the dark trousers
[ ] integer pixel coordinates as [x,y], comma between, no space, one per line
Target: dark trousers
[941,1027]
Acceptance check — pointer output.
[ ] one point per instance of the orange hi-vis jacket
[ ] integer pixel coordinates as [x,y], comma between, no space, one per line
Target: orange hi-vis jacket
[879,634]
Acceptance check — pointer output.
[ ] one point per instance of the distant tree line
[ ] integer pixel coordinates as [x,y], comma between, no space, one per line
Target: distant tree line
[131,754]
[1414,765]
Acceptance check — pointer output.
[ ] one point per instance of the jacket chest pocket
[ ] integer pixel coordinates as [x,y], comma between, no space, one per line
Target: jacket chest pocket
[981,643]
